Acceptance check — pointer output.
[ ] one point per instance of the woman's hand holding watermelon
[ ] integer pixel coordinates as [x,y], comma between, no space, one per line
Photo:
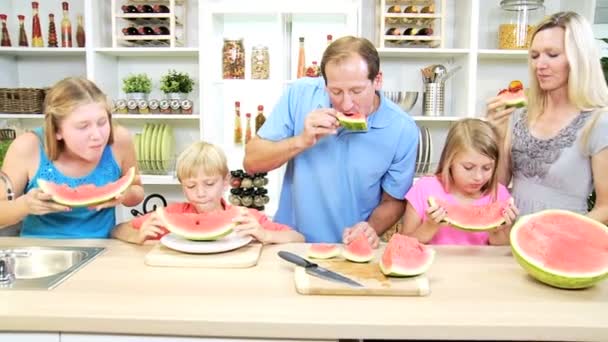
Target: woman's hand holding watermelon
[498,114]
[351,233]
[40,203]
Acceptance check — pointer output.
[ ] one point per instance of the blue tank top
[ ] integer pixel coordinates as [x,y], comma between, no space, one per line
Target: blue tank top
[79,222]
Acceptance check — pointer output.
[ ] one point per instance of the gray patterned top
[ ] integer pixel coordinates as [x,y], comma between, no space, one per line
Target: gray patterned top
[554,173]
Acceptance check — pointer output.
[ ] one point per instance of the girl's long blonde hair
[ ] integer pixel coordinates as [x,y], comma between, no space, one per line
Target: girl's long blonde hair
[587,89]
[60,101]
[470,134]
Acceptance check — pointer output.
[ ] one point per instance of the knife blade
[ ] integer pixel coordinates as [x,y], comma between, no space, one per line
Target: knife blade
[316,270]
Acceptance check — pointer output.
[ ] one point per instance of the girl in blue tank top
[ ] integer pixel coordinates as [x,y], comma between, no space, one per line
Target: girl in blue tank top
[78,145]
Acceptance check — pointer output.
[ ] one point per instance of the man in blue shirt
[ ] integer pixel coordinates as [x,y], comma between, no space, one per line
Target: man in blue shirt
[338,183]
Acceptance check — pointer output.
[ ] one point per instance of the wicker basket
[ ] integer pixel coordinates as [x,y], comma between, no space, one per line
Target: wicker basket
[21,100]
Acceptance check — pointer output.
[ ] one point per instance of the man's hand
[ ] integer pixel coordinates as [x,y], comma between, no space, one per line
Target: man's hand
[351,233]
[318,124]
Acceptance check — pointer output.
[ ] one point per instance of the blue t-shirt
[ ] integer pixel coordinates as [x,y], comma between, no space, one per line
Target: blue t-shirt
[79,222]
[339,181]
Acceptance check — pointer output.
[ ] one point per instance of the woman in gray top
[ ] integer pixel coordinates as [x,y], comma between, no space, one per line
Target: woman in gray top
[555,150]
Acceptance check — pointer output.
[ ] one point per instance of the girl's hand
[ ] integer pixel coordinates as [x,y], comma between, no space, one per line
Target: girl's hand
[436,214]
[510,213]
[151,228]
[349,234]
[40,203]
[109,204]
[249,226]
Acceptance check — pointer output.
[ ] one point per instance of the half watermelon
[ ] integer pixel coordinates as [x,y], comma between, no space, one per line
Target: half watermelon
[405,256]
[88,194]
[353,122]
[358,250]
[323,250]
[473,217]
[200,227]
[561,248]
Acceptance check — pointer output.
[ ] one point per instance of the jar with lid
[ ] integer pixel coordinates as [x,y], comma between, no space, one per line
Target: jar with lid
[519,18]
[260,63]
[233,59]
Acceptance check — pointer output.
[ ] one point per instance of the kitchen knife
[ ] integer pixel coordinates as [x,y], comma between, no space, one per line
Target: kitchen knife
[316,270]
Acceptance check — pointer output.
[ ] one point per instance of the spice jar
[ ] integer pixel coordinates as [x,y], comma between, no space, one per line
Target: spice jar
[233,59]
[260,63]
[517,24]
[164,106]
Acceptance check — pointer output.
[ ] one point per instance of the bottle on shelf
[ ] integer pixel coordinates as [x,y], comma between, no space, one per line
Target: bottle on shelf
[161,9]
[80,35]
[313,70]
[66,26]
[22,35]
[238,131]
[259,119]
[130,31]
[162,30]
[129,9]
[36,29]
[52,31]
[248,128]
[6,39]
[146,31]
[145,9]
[301,59]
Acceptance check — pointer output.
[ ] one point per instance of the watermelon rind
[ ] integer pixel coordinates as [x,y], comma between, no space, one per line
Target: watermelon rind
[330,253]
[396,271]
[490,225]
[553,277]
[353,124]
[356,257]
[216,234]
[50,188]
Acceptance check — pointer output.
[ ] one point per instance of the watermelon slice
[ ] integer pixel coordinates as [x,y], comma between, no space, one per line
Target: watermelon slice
[358,250]
[561,248]
[473,217]
[200,227]
[514,96]
[88,194]
[353,122]
[405,256]
[323,250]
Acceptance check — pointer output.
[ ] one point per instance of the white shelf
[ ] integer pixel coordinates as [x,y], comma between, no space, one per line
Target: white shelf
[515,55]
[155,116]
[422,52]
[149,52]
[41,52]
[437,118]
[21,116]
[158,179]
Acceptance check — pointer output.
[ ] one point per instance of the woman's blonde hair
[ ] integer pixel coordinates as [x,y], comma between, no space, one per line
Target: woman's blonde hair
[470,134]
[587,89]
[201,157]
[60,101]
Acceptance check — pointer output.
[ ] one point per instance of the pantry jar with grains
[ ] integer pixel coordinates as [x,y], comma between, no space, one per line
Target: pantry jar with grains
[517,22]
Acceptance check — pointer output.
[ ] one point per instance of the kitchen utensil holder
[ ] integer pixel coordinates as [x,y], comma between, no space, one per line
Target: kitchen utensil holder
[433,99]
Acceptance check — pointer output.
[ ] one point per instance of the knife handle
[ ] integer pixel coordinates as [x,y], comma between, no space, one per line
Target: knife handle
[296,259]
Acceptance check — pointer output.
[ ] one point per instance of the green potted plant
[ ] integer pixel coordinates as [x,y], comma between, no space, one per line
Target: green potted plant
[176,85]
[137,86]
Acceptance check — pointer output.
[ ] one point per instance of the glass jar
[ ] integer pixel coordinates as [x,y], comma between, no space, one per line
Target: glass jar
[233,59]
[260,63]
[517,23]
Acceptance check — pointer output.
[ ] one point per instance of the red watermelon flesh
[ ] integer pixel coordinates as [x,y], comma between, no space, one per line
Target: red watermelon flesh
[323,250]
[87,194]
[358,250]
[404,256]
[564,243]
[473,217]
[513,97]
[353,122]
[200,227]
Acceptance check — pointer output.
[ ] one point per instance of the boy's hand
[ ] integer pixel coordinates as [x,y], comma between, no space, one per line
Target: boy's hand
[249,225]
[151,228]
[351,233]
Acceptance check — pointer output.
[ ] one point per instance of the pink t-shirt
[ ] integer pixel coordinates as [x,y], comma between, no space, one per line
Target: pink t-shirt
[418,196]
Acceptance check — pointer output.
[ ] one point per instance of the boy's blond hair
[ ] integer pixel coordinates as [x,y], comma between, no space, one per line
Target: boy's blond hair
[201,157]
[474,134]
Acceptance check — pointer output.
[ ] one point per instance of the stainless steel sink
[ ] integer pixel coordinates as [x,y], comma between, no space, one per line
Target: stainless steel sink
[43,268]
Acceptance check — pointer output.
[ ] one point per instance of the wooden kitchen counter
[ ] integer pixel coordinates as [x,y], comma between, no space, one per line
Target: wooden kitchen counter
[476,293]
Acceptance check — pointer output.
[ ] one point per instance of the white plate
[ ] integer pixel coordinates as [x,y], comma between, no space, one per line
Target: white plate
[228,243]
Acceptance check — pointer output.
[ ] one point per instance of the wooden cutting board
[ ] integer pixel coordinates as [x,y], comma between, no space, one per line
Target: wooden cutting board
[243,257]
[368,274]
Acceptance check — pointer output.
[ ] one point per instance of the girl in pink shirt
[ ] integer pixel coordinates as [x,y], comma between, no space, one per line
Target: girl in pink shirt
[466,175]
[202,170]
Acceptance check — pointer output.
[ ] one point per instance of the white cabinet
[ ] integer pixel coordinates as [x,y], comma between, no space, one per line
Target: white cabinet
[29,337]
